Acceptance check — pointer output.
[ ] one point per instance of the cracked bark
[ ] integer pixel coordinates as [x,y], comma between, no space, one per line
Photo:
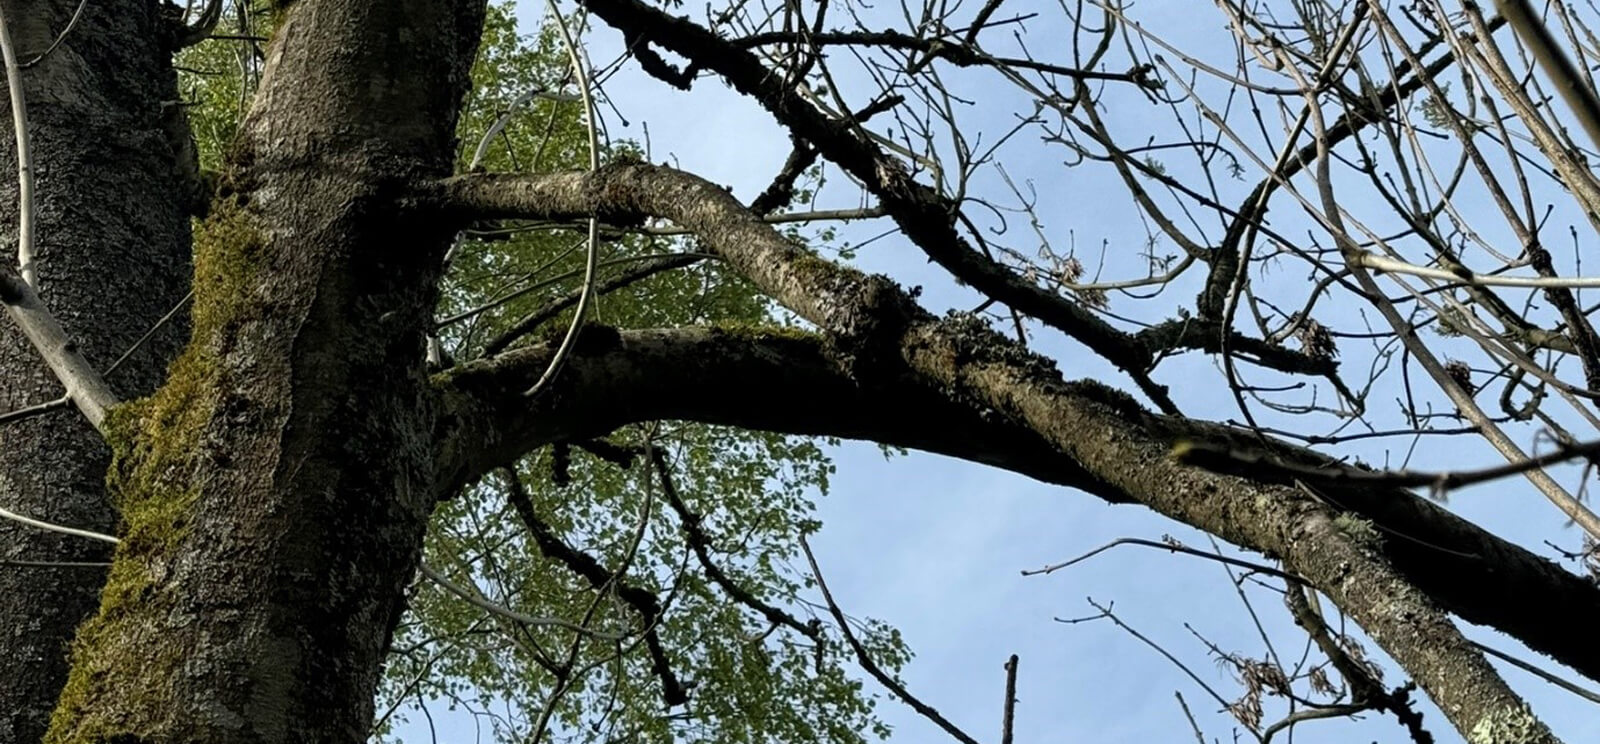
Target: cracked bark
[275,490]
[261,573]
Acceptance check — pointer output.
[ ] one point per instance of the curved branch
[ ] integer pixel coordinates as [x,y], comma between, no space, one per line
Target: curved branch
[883,346]
[700,542]
[785,382]
[642,600]
[770,380]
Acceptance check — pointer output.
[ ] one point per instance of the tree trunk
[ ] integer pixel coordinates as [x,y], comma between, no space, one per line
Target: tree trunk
[276,489]
[113,241]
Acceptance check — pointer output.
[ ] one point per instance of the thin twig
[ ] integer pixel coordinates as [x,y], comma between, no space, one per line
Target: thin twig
[51,527]
[580,73]
[71,24]
[1172,547]
[19,122]
[1540,673]
[35,410]
[148,334]
[1578,94]
[53,564]
[1107,614]
[477,600]
[1225,460]
[1384,264]
[700,543]
[871,667]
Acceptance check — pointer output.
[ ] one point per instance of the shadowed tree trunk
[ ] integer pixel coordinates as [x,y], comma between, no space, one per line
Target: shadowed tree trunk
[112,260]
[250,541]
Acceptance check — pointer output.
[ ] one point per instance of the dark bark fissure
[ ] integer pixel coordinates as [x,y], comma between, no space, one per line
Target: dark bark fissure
[274,492]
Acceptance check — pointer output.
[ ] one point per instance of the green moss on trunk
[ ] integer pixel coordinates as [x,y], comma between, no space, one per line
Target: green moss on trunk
[158,469]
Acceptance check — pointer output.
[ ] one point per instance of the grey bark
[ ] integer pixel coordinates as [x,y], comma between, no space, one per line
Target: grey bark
[881,335]
[113,245]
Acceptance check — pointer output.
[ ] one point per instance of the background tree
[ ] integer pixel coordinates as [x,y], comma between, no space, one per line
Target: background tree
[393,328]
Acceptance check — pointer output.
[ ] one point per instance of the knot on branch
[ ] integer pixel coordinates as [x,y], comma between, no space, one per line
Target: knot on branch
[868,327]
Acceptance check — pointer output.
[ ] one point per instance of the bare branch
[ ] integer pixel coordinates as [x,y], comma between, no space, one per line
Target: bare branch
[87,389]
[865,659]
[19,125]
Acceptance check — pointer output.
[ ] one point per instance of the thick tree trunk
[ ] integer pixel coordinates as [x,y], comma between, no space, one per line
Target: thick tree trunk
[112,259]
[275,490]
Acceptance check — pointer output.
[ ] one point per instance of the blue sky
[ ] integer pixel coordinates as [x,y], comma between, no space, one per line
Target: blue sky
[935,546]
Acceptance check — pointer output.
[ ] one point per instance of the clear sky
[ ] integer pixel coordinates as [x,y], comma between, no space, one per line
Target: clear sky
[935,546]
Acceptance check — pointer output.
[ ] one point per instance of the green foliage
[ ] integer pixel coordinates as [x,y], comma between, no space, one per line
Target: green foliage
[747,681]
[217,78]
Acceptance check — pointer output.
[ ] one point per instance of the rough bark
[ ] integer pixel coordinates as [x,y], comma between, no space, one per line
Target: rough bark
[273,493]
[882,336]
[113,236]
[790,383]
[275,490]
[764,379]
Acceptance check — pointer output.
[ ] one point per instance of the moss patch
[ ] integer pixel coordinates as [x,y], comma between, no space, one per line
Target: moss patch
[157,445]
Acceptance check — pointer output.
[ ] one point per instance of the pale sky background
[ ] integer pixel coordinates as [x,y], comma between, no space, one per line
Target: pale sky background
[934,546]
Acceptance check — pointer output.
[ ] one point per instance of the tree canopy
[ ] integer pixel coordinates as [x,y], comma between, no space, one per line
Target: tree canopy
[411,379]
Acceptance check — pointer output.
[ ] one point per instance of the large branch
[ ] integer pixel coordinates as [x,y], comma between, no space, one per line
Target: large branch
[925,216]
[884,342]
[781,382]
[768,380]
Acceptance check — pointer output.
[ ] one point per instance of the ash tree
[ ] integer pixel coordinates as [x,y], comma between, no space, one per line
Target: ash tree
[354,359]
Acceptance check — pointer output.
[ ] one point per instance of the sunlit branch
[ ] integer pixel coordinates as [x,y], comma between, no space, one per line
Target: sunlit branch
[85,386]
[19,125]
[923,215]
[35,410]
[993,372]
[1578,93]
[1381,264]
[580,72]
[51,527]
